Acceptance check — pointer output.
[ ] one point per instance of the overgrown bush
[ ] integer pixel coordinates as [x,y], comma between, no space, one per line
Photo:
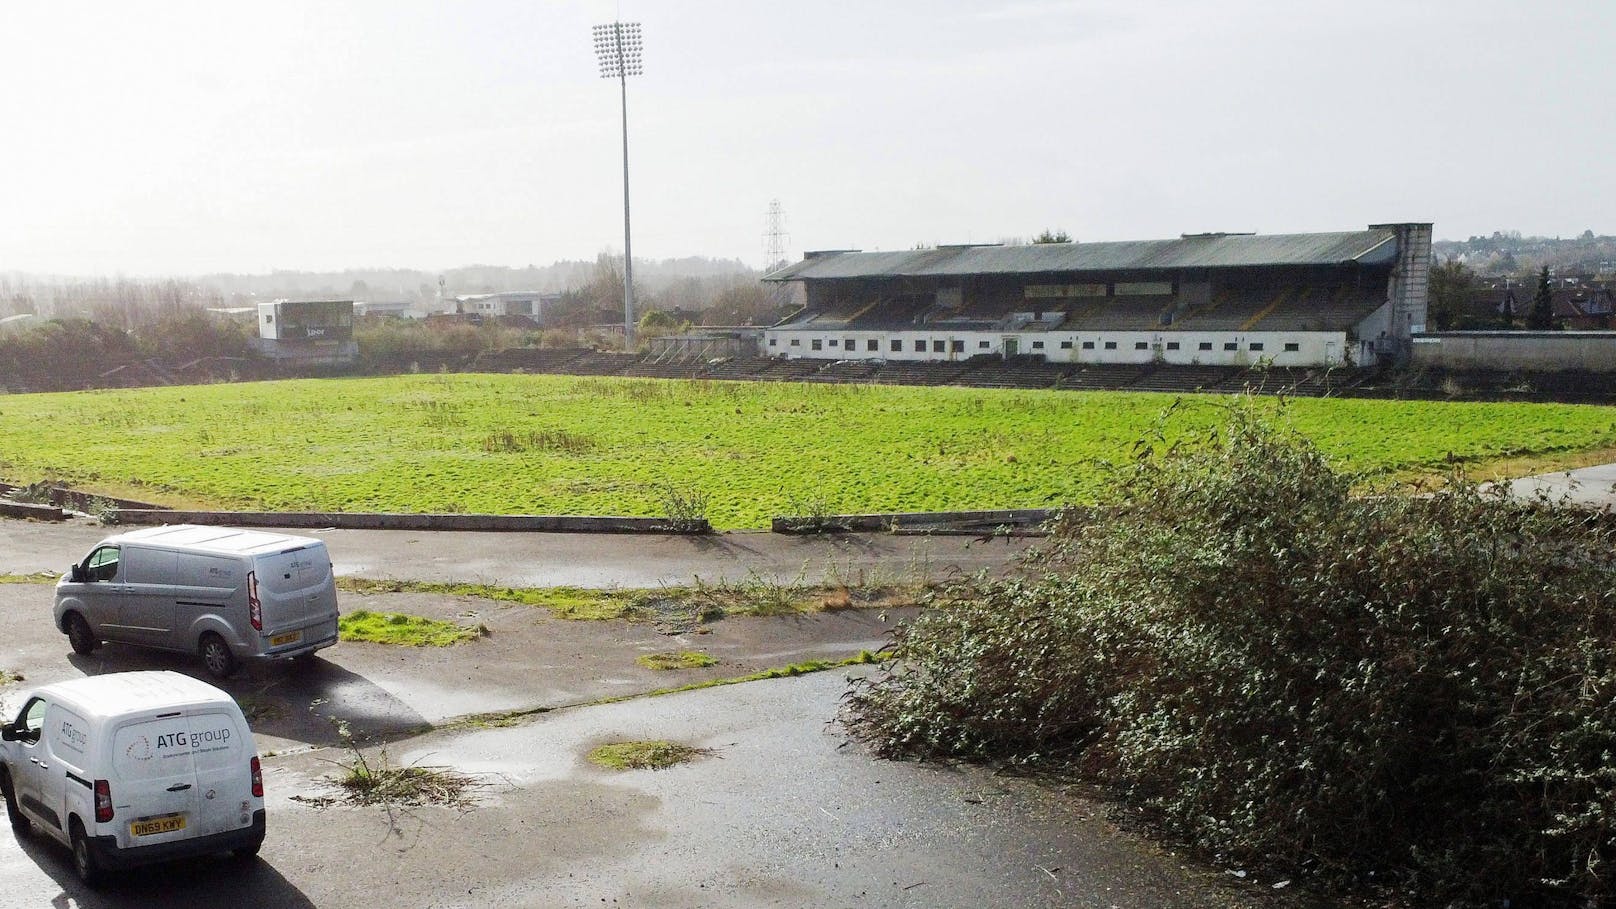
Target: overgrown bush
[1412,695]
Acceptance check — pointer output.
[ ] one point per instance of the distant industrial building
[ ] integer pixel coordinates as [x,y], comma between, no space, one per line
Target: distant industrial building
[510,303]
[402,309]
[307,331]
[1220,299]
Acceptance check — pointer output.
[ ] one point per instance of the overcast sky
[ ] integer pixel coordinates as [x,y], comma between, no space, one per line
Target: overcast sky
[178,138]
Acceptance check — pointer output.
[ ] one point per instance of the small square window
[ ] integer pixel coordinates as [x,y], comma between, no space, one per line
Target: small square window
[957,346]
[1037,345]
[920,347]
[897,347]
[936,347]
[1292,347]
[1066,345]
[1110,345]
[818,344]
[796,342]
[1230,345]
[1141,345]
[850,344]
[1204,345]
[774,342]
[983,345]
[1172,345]
[872,344]
[833,342]
[1255,345]
[1088,345]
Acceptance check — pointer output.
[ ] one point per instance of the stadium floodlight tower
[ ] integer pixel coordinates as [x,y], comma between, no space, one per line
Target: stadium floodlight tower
[617,44]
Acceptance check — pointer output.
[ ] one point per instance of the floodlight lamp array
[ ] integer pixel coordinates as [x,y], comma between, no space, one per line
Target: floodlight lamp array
[617,45]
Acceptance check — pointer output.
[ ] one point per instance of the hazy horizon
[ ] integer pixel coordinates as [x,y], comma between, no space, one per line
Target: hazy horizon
[192,139]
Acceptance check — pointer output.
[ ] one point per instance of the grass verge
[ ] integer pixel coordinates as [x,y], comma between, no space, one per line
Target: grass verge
[38,577]
[780,672]
[700,601]
[504,718]
[405,630]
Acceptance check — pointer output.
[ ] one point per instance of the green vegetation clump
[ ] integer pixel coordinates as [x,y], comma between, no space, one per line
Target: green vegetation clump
[8,677]
[732,452]
[1368,691]
[404,630]
[646,755]
[684,659]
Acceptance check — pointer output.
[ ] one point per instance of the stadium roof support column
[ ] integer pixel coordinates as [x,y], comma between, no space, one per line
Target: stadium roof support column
[1410,280]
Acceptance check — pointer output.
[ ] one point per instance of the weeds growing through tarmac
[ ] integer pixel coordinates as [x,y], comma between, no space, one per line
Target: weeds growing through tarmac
[645,755]
[405,630]
[684,659]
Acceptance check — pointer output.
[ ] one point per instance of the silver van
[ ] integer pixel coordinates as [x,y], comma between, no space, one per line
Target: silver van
[223,593]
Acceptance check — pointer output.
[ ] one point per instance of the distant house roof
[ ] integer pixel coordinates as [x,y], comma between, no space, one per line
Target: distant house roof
[1366,247]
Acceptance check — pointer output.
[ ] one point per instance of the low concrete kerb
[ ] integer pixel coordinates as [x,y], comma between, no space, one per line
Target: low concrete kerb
[29,510]
[1022,521]
[378,521]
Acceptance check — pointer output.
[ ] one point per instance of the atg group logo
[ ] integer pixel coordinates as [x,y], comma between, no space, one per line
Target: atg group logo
[139,749]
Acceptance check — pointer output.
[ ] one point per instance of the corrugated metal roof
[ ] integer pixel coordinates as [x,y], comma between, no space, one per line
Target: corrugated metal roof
[1199,251]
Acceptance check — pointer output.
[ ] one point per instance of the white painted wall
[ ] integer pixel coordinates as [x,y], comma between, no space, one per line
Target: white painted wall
[1203,348]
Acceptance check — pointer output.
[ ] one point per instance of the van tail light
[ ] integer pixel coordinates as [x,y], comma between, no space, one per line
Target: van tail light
[257,778]
[103,802]
[255,607]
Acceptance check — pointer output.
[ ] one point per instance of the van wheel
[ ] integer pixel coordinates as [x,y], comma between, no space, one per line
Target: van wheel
[19,822]
[216,656]
[80,636]
[89,870]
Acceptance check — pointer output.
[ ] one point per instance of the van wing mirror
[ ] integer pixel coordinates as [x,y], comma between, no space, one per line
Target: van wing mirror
[76,574]
[8,733]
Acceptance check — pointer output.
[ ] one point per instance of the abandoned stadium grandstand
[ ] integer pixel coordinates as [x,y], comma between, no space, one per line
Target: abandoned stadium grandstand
[1351,298]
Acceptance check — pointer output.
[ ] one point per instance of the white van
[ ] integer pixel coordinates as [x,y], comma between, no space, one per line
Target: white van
[133,767]
[223,593]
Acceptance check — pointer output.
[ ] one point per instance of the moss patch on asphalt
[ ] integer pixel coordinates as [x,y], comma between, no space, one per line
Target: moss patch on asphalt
[405,630]
[683,659]
[645,755]
[698,602]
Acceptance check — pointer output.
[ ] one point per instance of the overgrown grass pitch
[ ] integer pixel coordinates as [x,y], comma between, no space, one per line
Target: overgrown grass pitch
[517,444]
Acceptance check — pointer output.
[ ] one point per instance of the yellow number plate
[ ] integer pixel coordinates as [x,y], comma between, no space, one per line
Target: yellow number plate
[151,825]
[287,638]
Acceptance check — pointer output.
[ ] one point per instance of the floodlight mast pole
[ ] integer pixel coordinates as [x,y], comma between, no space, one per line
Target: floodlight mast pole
[618,47]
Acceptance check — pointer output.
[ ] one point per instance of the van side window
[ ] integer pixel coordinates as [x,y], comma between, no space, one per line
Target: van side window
[31,721]
[102,565]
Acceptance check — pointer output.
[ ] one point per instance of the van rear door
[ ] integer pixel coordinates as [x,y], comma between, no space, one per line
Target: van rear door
[222,750]
[155,797]
[297,592]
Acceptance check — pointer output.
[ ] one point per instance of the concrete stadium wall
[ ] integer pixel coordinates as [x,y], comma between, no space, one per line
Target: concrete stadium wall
[1541,351]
